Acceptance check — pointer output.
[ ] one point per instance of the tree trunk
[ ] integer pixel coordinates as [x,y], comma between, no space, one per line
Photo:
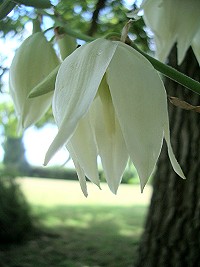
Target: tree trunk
[14,155]
[172,231]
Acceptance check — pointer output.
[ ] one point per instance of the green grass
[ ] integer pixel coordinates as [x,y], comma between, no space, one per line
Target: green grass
[79,234]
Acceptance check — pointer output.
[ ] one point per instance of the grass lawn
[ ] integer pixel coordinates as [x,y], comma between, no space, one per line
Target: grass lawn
[102,230]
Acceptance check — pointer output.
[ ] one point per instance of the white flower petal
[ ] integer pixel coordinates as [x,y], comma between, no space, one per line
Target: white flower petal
[84,146]
[76,85]
[171,22]
[35,108]
[187,24]
[79,170]
[110,142]
[196,46]
[172,158]
[156,17]
[139,99]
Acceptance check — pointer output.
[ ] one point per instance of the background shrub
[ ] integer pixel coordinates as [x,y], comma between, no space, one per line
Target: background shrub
[15,217]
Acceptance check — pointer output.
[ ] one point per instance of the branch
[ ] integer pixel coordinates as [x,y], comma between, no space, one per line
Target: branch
[100,5]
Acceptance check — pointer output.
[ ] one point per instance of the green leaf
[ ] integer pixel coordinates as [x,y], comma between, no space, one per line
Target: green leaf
[45,86]
[35,3]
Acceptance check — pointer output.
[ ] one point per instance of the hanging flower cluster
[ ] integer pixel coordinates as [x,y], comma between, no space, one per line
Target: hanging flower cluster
[110,101]
[174,21]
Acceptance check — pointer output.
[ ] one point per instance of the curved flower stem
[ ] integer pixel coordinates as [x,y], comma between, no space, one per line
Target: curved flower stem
[75,34]
[171,73]
[36,25]
[66,29]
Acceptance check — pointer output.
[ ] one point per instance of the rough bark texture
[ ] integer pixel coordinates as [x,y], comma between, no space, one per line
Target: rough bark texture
[172,231]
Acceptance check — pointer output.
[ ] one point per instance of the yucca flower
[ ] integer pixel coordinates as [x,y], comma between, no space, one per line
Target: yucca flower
[33,61]
[110,101]
[173,21]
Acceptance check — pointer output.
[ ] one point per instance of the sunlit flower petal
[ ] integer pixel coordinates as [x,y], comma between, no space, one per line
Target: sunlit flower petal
[79,170]
[138,97]
[110,142]
[73,98]
[83,141]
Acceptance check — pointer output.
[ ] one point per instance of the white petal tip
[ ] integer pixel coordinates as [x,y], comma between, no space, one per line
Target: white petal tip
[84,188]
[142,185]
[97,183]
[142,188]
[45,162]
[182,176]
[113,190]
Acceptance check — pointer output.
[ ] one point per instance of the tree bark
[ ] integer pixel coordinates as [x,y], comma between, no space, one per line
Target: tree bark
[172,230]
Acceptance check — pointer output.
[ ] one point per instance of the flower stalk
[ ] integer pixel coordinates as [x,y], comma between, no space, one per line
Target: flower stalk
[66,43]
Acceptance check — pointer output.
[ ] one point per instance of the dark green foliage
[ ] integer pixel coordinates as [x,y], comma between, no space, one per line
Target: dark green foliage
[15,218]
[111,18]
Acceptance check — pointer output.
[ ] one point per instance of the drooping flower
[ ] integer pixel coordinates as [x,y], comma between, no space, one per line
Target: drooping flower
[110,101]
[173,21]
[33,61]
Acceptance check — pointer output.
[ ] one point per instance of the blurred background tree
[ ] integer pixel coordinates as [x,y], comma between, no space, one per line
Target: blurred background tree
[14,152]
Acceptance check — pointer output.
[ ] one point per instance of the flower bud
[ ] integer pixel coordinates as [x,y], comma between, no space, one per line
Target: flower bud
[33,61]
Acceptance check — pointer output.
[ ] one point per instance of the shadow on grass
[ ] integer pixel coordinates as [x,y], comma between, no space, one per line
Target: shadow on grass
[77,236]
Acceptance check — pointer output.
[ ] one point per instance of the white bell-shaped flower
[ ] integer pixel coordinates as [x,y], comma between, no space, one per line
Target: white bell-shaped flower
[32,62]
[172,21]
[110,101]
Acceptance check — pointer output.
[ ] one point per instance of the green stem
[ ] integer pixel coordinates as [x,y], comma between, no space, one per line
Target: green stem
[171,73]
[66,29]
[66,43]
[36,25]
[112,36]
